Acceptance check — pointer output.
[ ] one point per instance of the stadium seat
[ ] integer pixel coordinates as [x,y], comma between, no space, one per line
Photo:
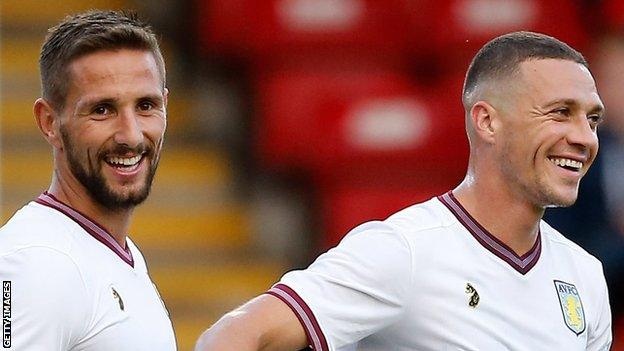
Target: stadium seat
[261,28]
[343,122]
[613,13]
[344,205]
[456,29]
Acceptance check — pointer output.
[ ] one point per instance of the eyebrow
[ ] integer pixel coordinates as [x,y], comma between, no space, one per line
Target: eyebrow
[154,97]
[82,105]
[112,101]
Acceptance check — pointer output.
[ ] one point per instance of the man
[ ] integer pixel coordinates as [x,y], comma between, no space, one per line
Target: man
[600,207]
[475,268]
[76,281]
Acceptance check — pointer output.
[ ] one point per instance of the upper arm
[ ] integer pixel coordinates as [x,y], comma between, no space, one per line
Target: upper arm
[264,323]
[354,290]
[348,293]
[48,299]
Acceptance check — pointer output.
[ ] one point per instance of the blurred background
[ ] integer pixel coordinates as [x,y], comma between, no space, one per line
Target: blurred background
[291,121]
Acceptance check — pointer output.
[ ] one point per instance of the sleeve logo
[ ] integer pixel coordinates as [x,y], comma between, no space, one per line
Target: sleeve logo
[571,306]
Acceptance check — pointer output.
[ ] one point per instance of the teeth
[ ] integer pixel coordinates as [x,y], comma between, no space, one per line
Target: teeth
[566,162]
[124,161]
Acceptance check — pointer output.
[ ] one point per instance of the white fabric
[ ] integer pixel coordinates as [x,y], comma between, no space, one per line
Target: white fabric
[62,282]
[401,284]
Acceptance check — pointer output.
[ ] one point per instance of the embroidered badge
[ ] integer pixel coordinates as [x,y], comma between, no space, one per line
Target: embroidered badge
[474,295]
[571,306]
[117,297]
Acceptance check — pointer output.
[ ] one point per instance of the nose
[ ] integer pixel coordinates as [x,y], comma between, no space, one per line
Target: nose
[128,130]
[582,134]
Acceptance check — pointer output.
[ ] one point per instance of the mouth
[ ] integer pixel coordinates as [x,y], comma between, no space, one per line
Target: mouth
[124,164]
[566,163]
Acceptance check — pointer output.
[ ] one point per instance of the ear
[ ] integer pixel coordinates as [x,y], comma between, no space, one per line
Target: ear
[166,96]
[48,122]
[485,121]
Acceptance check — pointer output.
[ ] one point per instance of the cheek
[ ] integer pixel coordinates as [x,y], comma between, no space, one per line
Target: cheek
[548,138]
[155,129]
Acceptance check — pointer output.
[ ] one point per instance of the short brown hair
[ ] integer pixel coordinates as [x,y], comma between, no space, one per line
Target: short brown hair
[86,33]
[502,56]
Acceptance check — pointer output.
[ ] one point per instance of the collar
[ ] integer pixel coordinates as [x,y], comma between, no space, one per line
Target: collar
[90,226]
[522,264]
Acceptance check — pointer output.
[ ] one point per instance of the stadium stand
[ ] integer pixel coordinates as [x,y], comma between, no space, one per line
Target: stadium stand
[360,99]
[357,99]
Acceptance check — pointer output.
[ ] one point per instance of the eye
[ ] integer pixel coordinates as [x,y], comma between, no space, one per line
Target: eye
[595,120]
[564,111]
[145,106]
[103,109]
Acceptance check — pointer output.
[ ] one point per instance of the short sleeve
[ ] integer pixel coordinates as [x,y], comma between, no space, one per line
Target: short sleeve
[600,337]
[48,299]
[353,290]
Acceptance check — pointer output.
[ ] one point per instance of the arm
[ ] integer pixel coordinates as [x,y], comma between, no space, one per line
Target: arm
[264,323]
[348,293]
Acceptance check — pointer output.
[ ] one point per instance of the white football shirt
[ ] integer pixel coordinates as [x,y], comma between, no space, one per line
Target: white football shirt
[431,278]
[72,287]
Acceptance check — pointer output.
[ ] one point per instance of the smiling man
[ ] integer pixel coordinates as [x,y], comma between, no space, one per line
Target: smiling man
[77,281]
[475,268]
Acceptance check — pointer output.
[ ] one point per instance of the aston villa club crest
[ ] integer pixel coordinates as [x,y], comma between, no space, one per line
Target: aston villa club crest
[571,306]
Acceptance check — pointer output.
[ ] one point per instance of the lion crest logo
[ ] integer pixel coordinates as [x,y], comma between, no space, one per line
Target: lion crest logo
[571,306]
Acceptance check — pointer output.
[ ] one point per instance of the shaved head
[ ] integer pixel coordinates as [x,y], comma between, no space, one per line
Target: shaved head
[495,67]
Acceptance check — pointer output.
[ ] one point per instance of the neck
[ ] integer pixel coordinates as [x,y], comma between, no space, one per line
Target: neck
[505,215]
[117,223]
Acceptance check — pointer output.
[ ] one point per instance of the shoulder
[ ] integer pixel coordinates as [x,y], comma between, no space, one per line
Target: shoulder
[390,245]
[38,242]
[424,216]
[420,221]
[575,260]
[403,231]
[41,272]
[39,226]
[565,246]
[49,292]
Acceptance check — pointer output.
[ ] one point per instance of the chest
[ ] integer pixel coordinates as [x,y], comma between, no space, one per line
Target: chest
[477,302]
[129,314]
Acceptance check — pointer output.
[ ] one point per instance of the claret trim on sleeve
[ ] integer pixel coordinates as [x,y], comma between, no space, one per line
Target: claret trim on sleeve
[316,339]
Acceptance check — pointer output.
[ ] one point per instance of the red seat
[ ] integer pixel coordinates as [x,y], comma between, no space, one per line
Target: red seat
[344,122]
[284,27]
[344,205]
[456,29]
[613,13]
[290,105]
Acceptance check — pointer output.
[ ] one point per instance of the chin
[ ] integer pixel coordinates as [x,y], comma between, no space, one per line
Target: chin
[561,200]
[118,199]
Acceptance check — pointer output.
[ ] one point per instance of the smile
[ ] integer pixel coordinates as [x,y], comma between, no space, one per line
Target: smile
[567,163]
[117,161]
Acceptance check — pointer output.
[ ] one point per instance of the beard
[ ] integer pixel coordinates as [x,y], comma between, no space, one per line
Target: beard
[90,175]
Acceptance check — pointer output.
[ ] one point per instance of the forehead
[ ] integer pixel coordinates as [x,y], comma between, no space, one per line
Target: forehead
[552,79]
[113,67]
